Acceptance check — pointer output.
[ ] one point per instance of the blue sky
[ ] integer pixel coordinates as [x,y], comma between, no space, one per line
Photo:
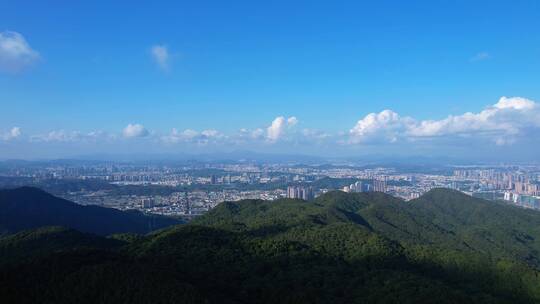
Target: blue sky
[97,76]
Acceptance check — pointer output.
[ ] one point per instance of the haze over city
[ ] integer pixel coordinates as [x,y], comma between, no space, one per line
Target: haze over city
[347,80]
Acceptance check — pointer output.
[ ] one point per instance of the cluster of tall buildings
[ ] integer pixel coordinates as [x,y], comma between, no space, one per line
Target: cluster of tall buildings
[147,203]
[300,192]
[357,187]
[527,188]
[491,179]
[377,185]
[528,201]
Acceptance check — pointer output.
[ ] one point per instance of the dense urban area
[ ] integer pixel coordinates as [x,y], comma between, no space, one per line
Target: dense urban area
[192,188]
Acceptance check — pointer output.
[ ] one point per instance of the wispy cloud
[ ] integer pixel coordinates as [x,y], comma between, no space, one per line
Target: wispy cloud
[14,133]
[160,54]
[480,57]
[15,52]
[63,136]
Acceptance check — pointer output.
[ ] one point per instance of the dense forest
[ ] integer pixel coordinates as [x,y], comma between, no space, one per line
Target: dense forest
[444,247]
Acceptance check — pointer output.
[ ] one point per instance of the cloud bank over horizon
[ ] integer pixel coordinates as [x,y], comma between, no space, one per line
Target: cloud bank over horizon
[508,122]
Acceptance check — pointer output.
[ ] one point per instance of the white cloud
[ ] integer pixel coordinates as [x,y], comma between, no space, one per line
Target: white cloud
[511,120]
[210,133]
[15,53]
[61,135]
[161,56]
[257,133]
[134,130]
[518,103]
[70,136]
[188,134]
[315,134]
[251,134]
[481,56]
[508,116]
[14,133]
[501,123]
[384,126]
[279,126]
[291,121]
[192,136]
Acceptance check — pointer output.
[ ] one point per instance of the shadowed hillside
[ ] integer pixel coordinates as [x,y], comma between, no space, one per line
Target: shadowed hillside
[27,208]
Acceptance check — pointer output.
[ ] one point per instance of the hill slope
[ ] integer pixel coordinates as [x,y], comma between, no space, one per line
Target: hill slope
[341,248]
[27,208]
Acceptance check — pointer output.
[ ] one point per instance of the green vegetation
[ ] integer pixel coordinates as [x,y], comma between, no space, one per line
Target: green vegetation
[444,247]
[29,244]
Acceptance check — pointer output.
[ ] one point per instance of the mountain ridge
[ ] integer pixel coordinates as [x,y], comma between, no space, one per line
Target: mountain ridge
[29,207]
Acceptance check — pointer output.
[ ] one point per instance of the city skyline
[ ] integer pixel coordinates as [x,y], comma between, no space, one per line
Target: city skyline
[391,79]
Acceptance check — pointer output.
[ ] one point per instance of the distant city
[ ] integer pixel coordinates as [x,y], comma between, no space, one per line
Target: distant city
[191,189]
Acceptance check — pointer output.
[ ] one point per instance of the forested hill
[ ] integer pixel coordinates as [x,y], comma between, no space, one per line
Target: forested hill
[444,247]
[27,207]
[441,220]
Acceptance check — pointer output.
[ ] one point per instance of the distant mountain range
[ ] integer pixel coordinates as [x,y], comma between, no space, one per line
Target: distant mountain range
[444,247]
[28,207]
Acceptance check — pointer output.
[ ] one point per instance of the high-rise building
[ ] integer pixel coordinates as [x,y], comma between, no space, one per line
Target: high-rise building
[147,203]
[300,192]
[291,192]
[357,187]
[307,193]
[379,185]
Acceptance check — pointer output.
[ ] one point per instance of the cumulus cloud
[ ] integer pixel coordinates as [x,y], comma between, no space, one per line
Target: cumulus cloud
[384,126]
[279,126]
[134,130]
[14,133]
[160,54]
[291,121]
[15,53]
[501,123]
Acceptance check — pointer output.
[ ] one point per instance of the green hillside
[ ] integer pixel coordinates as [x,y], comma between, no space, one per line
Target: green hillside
[29,244]
[444,247]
